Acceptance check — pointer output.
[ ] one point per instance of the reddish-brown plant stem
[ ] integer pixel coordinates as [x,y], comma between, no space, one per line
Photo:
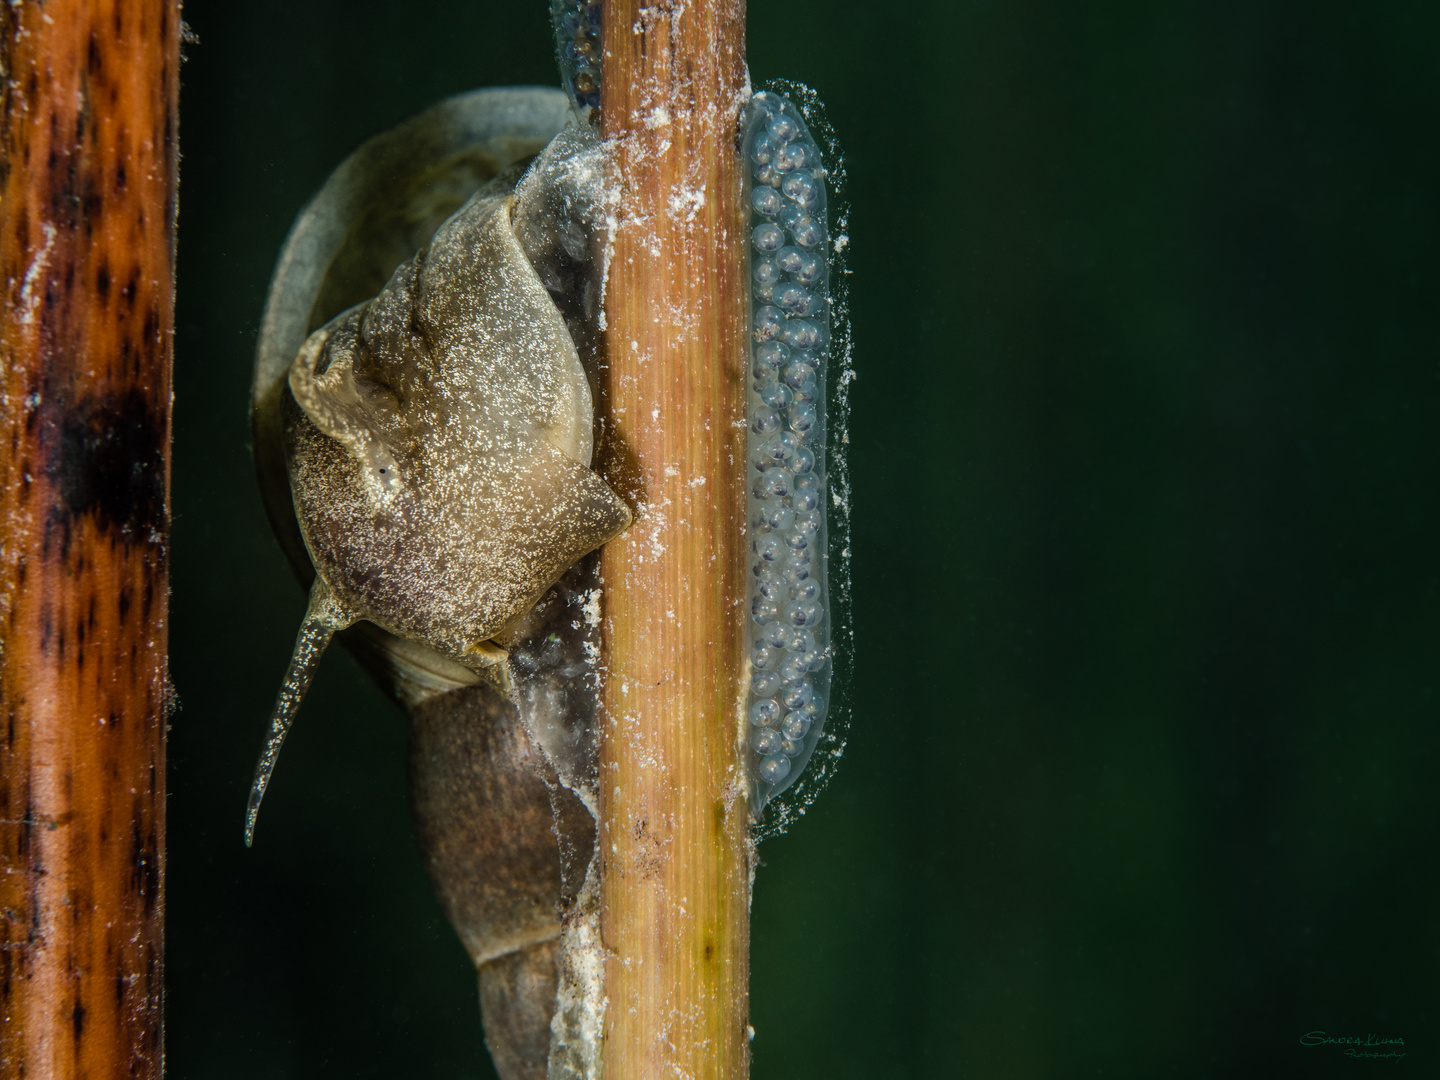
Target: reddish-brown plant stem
[87,210]
[675,884]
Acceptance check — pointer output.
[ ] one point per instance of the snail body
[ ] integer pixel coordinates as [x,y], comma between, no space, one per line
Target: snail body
[423,433]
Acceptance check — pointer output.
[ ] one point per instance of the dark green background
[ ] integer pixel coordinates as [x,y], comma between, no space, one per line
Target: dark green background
[1141,780]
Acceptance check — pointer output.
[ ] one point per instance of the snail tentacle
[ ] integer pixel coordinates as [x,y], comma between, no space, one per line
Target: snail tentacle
[323,617]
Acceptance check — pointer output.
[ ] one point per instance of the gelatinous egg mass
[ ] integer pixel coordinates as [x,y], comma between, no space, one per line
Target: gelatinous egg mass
[577,40]
[788,602]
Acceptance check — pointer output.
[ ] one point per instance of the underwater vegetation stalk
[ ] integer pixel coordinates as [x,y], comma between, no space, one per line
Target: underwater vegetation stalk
[87,212]
[674,828]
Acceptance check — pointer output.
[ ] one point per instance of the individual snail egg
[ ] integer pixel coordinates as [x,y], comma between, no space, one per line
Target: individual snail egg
[796,567]
[779,449]
[809,589]
[792,297]
[797,333]
[774,768]
[791,747]
[800,186]
[772,484]
[765,684]
[803,461]
[796,540]
[767,741]
[802,419]
[805,231]
[807,494]
[808,521]
[767,201]
[797,725]
[762,149]
[805,394]
[797,612]
[775,514]
[769,323]
[764,611]
[767,658]
[788,158]
[781,129]
[772,354]
[773,588]
[768,547]
[812,709]
[776,394]
[776,635]
[801,642]
[764,421]
[799,372]
[767,175]
[768,238]
[806,267]
[765,713]
[793,669]
[795,697]
[766,271]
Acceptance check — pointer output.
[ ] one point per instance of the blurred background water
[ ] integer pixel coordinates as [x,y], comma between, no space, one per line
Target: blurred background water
[1141,776]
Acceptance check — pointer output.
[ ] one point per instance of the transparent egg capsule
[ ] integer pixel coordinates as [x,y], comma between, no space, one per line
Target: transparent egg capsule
[776,635]
[807,494]
[765,712]
[800,186]
[774,768]
[781,129]
[792,297]
[800,372]
[764,421]
[764,684]
[768,547]
[773,587]
[801,418]
[766,271]
[796,697]
[772,484]
[775,514]
[768,238]
[767,741]
[809,589]
[793,669]
[790,322]
[767,323]
[764,610]
[797,612]
[789,157]
[776,395]
[796,726]
[797,333]
[767,658]
[767,201]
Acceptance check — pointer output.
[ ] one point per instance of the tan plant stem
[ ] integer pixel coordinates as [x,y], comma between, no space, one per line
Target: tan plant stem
[676,857]
[87,210]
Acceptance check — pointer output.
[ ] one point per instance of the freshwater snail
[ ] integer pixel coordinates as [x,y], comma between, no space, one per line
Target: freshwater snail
[424,458]
[423,414]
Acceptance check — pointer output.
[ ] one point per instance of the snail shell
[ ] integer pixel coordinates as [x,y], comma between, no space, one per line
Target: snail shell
[423,427]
